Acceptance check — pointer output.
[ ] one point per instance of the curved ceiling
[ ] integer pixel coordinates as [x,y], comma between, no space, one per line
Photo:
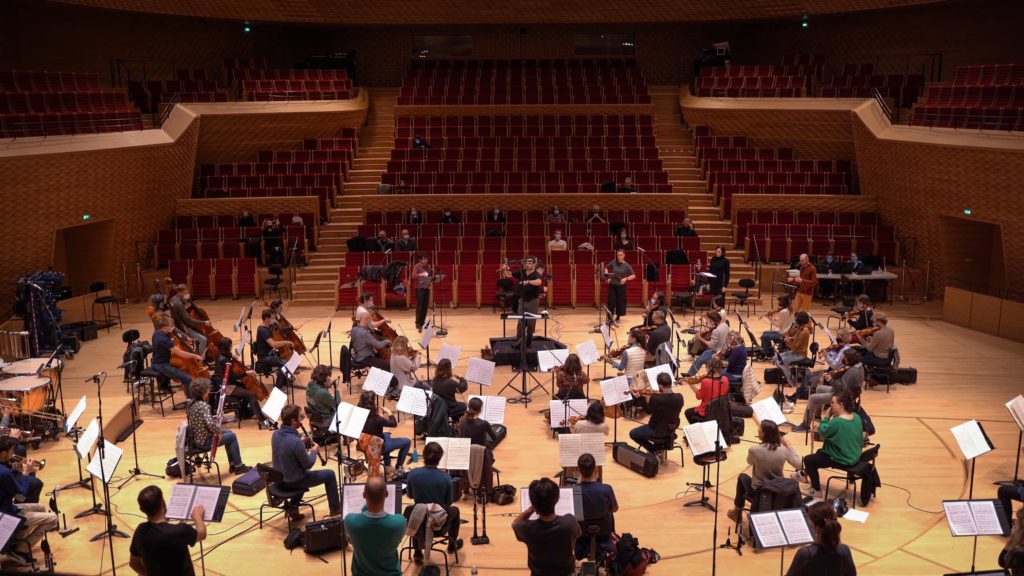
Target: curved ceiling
[442,12]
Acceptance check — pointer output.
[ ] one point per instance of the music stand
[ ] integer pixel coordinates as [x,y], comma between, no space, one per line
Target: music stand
[120,435]
[973,442]
[524,390]
[435,280]
[973,518]
[779,529]
[185,497]
[1016,408]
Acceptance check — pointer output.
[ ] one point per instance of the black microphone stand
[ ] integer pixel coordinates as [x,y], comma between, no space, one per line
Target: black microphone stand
[111,529]
[136,422]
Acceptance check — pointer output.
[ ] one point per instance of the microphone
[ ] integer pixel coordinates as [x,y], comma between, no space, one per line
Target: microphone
[641,249]
[125,364]
[95,377]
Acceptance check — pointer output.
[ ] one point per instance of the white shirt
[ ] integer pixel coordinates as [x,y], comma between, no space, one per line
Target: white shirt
[782,320]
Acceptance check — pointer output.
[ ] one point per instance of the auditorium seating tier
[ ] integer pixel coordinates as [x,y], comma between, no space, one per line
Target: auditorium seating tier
[984,96]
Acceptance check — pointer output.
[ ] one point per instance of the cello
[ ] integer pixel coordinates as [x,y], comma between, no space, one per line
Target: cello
[213,336]
[384,332]
[251,383]
[289,333]
[194,368]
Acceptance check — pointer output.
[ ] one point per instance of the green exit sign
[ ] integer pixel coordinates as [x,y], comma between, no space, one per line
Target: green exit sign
[967,211]
[86,216]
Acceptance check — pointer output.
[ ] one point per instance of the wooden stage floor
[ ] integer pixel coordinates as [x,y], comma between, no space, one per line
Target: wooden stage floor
[962,375]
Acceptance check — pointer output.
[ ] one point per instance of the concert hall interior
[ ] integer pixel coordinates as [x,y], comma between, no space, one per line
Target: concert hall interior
[501,273]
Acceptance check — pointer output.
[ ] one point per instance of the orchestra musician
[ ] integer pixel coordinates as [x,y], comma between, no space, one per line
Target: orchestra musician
[569,378]
[592,422]
[294,461]
[157,308]
[375,424]
[767,460]
[404,363]
[631,358]
[164,349]
[710,387]
[842,380]
[664,408]
[714,340]
[421,274]
[14,484]
[880,344]
[780,320]
[184,321]
[35,485]
[268,357]
[655,302]
[843,433]
[529,291]
[364,344]
[446,386]
[620,272]
[202,429]
[798,337]
[659,333]
[806,282]
[833,358]
[226,380]
[366,305]
[319,400]
[735,358]
[862,316]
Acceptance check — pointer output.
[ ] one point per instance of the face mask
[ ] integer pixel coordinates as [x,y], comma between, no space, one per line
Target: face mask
[405,236]
[496,211]
[447,213]
[556,211]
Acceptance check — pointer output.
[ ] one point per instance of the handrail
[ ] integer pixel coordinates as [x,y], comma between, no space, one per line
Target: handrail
[23,127]
[889,113]
[169,105]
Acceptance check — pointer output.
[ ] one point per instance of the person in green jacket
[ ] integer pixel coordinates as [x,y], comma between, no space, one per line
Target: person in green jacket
[375,534]
[319,399]
[843,434]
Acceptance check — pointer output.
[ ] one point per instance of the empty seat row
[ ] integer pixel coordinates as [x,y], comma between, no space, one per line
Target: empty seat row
[805,217]
[24,125]
[990,75]
[876,81]
[48,81]
[532,148]
[513,217]
[292,74]
[948,95]
[529,63]
[324,194]
[527,165]
[498,179]
[167,248]
[743,153]
[1005,118]
[272,168]
[217,278]
[709,84]
[43,102]
[758,71]
[752,92]
[453,133]
[421,122]
[403,140]
[714,167]
[208,222]
[724,192]
[500,98]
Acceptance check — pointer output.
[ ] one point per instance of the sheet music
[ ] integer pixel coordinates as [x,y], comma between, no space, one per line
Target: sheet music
[9,524]
[577,407]
[427,336]
[456,452]
[606,336]
[794,524]
[378,381]
[293,363]
[179,505]
[768,529]
[452,353]
[702,437]
[550,359]
[652,374]
[88,439]
[349,420]
[971,439]
[274,404]
[207,497]
[240,321]
[494,408]
[985,518]
[352,500]
[75,415]
[587,351]
[1016,408]
[856,516]
[565,505]
[413,401]
[480,371]
[111,457]
[572,446]
[242,341]
[959,517]
[615,390]
[768,409]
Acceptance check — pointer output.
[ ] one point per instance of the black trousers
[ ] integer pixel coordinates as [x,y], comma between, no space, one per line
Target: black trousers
[422,303]
[451,526]
[815,462]
[744,486]
[617,300]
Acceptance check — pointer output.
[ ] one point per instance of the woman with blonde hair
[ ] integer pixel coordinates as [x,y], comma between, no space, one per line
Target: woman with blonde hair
[404,364]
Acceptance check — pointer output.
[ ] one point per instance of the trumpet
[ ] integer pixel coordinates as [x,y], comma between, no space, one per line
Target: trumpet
[34,465]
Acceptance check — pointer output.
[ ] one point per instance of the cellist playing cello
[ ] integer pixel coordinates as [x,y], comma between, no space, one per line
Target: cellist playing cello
[267,349]
[164,349]
[232,377]
[185,322]
[366,305]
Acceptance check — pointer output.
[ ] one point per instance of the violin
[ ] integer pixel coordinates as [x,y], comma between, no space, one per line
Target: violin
[835,372]
[615,353]
[867,331]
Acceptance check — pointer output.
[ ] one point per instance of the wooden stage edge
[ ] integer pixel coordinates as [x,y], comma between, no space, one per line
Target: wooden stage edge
[963,374]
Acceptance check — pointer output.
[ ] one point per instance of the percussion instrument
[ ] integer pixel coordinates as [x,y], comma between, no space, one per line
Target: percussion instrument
[29,392]
[30,366]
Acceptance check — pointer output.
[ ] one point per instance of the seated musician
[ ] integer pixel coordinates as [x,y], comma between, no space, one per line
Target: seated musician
[659,334]
[375,533]
[14,483]
[164,349]
[735,361]
[268,357]
[375,425]
[664,407]
[431,485]
[599,508]
[1006,494]
[366,306]
[227,381]
[851,378]
[826,555]
[833,358]
[781,319]
[710,387]
[404,363]
[843,433]
[320,403]
[294,461]
[480,433]
[35,485]
[184,321]
[656,302]
[862,316]
[202,428]
[797,338]
[445,386]
[715,342]
[569,378]
[551,538]
[364,344]
[157,308]
[768,459]
[878,346]
[592,422]
[632,359]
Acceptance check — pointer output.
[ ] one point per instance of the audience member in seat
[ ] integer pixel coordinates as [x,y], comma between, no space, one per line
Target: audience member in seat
[599,508]
[768,459]
[414,216]
[406,243]
[297,220]
[383,242]
[627,185]
[246,220]
[550,539]
[418,142]
[556,216]
[402,188]
[496,216]
[623,241]
[449,217]
[596,215]
[557,242]
[687,229]
[827,555]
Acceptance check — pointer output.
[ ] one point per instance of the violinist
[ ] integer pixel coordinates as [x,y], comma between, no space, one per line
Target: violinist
[781,319]
[366,305]
[421,275]
[659,334]
[569,378]
[798,337]
[712,386]
[715,341]
[880,344]
[164,349]
[833,358]
[631,359]
[185,322]
[267,356]
[404,364]
[664,408]
[735,358]
[849,378]
[447,386]
[319,400]
[656,302]
[862,316]
[225,380]
[364,343]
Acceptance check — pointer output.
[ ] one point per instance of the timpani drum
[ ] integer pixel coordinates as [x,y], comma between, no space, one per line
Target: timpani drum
[25,393]
[31,366]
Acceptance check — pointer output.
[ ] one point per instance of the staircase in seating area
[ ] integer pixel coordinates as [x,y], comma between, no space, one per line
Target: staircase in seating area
[675,148]
[315,282]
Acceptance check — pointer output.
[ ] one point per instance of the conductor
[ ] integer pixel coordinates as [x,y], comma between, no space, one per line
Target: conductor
[528,290]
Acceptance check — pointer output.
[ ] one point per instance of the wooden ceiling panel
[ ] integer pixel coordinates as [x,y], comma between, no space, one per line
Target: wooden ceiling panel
[442,12]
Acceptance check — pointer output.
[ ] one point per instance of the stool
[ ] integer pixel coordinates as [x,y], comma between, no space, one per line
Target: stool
[439,544]
[662,449]
[106,302]
[158,394]
[838,314]
[705,461]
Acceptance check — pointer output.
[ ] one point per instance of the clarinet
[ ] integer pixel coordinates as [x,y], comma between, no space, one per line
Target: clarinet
[308,441]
